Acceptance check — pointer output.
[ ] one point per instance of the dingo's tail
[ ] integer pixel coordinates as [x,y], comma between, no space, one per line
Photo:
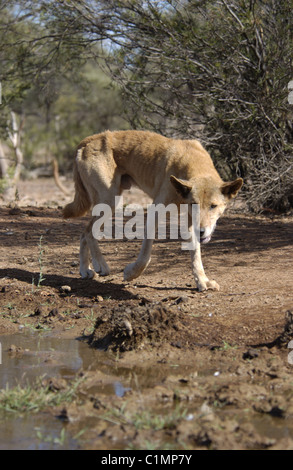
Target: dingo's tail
[81,203]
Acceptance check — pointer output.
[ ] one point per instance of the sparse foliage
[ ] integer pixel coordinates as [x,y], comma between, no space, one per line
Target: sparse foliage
[213,69]
[218,70]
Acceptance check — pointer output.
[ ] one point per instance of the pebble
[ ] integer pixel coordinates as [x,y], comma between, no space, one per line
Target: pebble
[182,298]
[189,417]
[65,289]
[250,354]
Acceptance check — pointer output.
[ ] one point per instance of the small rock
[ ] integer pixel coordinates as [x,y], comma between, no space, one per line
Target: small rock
[37,312]
[85,305]
[250,354]
[128,327]
[53,313]
[189,417]
[65,289]
[181,299]
[55,384]
[13,348]
[205,409]
[184,380]
[15,211]
[16,350]
[64,415]
[31,213]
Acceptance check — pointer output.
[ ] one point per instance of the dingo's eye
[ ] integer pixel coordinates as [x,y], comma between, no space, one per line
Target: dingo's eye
[213,206]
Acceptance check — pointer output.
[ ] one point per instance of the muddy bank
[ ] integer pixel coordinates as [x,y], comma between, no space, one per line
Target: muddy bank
[139,388]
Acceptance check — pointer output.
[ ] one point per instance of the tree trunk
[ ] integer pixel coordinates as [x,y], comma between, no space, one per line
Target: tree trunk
[10,181]
[14,136]
[3,163]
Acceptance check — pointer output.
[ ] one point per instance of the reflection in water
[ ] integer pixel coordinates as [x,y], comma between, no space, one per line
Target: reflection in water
[22,432]
[32,356]
[35,356]
[41,355]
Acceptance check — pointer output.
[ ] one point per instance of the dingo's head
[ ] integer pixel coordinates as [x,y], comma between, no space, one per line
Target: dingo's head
[211,194]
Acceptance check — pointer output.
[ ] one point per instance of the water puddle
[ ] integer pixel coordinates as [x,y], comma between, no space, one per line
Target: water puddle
[29,356]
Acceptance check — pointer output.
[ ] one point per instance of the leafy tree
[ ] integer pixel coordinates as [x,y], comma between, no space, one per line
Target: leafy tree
[213,69]
[53,92]
[218,70]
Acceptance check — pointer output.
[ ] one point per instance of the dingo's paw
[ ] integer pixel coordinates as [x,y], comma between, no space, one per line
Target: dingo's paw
[101,268]
[213,285]
[87,273]
[131,272]
[205,285]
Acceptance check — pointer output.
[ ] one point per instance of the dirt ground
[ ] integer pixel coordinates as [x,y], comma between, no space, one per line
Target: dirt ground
[232,382]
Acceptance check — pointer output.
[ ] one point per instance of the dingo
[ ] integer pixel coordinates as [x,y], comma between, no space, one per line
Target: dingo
[168,170]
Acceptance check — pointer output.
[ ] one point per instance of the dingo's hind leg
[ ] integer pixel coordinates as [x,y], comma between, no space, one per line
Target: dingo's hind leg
[99,263]
[89,244]
[84,259]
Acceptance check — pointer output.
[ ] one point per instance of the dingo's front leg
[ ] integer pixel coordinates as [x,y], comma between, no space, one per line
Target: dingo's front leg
[202,281]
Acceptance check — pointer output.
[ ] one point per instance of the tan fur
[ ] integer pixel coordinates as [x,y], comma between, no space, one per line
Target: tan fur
[81,203]
[168,170]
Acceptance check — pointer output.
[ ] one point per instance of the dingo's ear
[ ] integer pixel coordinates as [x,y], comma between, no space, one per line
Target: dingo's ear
[182,187]
[231,189]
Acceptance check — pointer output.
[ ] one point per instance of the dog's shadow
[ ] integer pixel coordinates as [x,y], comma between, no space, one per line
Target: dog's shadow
[79,287]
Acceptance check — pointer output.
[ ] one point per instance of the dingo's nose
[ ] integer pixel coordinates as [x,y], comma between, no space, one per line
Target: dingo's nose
[204,238]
